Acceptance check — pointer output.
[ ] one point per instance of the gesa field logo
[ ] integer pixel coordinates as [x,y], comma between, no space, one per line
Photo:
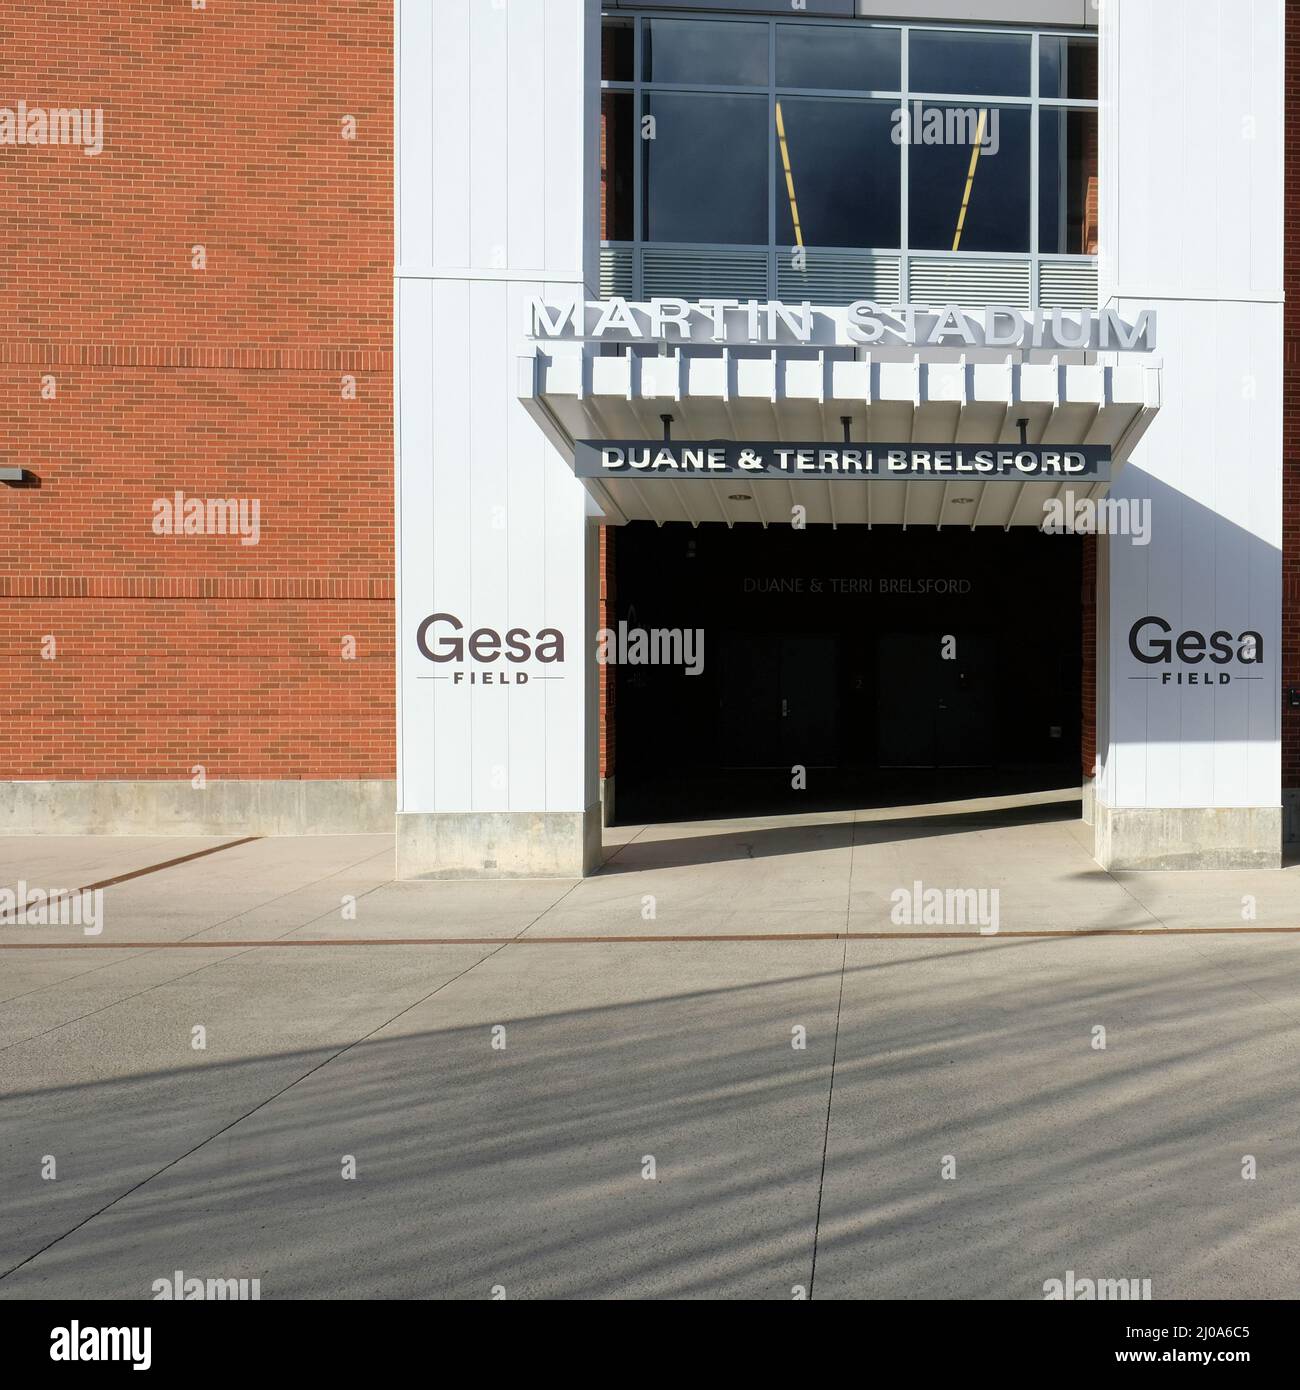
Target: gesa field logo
[1150,640]
[439,641]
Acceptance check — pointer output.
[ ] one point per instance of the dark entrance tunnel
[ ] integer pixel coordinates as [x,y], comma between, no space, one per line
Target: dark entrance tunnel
[894,667]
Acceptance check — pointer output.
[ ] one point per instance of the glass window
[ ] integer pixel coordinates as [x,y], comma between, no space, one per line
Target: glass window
[617,45]
[704,161]
[1067,68]
[1067,182]
[838,58]
[838,172]
[981,64]
[616,166]
[713,167]
[693,52]
[968,179]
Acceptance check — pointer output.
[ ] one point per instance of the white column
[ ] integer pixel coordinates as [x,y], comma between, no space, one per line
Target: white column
[497,108]
[1191,222]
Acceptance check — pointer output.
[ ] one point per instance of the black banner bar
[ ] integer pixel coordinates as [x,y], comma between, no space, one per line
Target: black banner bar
[44,1343]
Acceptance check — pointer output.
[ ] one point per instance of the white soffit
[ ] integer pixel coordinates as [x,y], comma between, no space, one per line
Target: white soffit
[782,396]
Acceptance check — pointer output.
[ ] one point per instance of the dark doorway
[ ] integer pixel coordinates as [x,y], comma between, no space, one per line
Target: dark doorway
[847,668]
[944,714]
[779,699]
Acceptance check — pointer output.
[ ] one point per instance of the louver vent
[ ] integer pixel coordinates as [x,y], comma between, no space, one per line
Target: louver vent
[970,283]
[616,271]
[686,274]
[831,277]
[1067,284]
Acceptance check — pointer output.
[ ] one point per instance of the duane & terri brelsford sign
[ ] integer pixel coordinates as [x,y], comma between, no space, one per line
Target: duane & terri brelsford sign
[640,458]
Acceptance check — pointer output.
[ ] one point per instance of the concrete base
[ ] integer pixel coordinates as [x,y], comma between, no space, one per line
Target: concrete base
[499,844]
[177,808]
[1089,790]
[607,801]
[1247,837]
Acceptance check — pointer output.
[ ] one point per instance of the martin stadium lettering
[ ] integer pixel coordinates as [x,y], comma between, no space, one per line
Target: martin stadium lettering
[770,323]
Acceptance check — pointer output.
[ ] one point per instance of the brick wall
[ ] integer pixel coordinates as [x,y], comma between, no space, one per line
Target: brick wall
[1291,412]
[127,374]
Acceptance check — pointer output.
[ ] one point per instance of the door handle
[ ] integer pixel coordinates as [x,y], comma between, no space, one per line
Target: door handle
[785,709]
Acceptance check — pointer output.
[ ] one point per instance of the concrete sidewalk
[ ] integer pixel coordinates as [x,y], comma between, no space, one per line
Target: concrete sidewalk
[817,873]
[776,1167]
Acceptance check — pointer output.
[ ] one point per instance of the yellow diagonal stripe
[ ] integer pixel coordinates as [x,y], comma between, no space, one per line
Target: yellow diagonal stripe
[970,177]
[789,177]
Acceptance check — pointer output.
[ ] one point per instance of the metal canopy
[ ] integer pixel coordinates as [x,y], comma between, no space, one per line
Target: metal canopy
[784,396]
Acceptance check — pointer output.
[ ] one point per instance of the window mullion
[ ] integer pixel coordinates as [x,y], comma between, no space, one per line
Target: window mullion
[772,249]
[904,173]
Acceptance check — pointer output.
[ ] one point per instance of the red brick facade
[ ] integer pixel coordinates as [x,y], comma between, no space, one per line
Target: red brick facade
[129,374]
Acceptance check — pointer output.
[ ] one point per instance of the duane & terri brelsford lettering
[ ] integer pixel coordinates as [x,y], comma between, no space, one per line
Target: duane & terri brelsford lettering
[704,459]
[842,459]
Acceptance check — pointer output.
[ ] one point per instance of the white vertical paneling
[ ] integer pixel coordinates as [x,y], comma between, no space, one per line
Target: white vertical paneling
[450,733]
[524,95]
[1130,576]
[413,412]
[1260,515]
[445,83]
[526,450]
[569,146]
[490,156]
[1192,148]
[489,400]
[1264,146]
[413,201]
[492,521]
[1227,133]
[1204,415]
[1192,206]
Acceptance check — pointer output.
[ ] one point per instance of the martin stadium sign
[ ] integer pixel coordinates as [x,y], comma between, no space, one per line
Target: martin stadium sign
[772,323]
